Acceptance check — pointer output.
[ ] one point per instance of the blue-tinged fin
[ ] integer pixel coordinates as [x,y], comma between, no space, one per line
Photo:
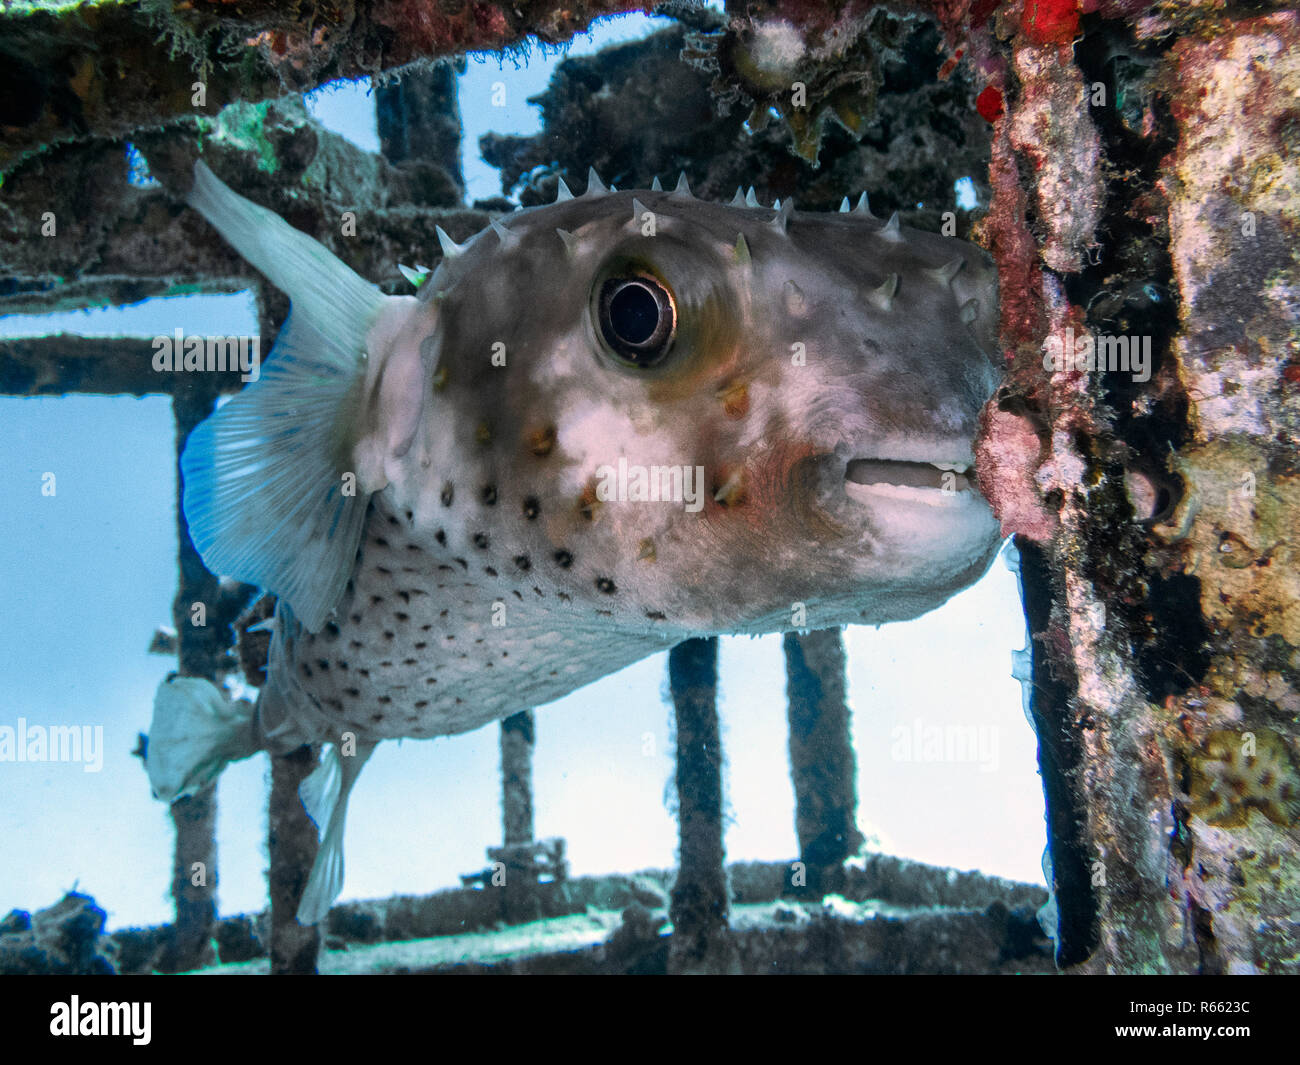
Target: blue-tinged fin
[196,731]
[266,484]
[324,796]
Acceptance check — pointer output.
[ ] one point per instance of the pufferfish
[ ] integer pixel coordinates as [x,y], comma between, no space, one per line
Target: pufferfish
[600,427]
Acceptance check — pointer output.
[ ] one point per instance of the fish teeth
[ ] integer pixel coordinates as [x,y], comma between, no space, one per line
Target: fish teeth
[738,200]
[595,187]
[656,185]
[844,205]
[683,189]
[892,231]
[741,251]
[562,191]
[750,199]
[955,467]
[638,210]
[863,206]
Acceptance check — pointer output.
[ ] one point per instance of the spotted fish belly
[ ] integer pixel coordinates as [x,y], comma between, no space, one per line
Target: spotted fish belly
[428,642]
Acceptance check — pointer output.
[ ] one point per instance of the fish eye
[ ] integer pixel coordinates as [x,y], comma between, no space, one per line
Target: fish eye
[638,319]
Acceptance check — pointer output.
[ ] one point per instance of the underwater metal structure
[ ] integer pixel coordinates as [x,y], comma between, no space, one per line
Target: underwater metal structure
[1141,183]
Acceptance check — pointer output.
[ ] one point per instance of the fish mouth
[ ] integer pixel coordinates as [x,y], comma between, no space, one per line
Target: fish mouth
[932,483]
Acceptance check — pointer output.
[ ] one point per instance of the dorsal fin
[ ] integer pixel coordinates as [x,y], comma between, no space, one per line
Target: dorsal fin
[265,497]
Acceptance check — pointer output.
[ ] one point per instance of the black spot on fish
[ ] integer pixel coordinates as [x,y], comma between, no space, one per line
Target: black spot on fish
[443,566]
[356,645]
[403,618]
[409,661]
[410,517]
[605,585]
[364,672]
[331,630]
[389,635]
[532,507]
[463,563]
[515,591]
[655,615]
[448,493]
[421,646]
[420,704]
[386,664]
[430,680]
[489,571]
[405,597]
[414,547]
[489,495]
[384,570]
[376,717]
[342,664]
[441,537]
[323,664]
[563,559]
[481,541]
[540,593]
[393,521]
[354,692]
[523,562]
[305,669]
[375,600]
[355,617]
[565,597]
[381,541]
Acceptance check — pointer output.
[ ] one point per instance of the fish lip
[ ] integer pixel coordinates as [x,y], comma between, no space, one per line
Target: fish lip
[871,478]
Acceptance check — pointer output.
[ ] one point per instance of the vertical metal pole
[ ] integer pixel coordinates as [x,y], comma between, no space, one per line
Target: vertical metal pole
[292,843]
[700,902]
[822,764]
[199,651]
[517,739]
[520,901]
[419,120]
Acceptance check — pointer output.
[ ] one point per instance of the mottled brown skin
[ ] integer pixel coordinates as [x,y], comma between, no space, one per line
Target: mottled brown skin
[493,508]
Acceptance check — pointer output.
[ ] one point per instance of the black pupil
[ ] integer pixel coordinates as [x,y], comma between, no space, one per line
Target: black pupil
[634,314]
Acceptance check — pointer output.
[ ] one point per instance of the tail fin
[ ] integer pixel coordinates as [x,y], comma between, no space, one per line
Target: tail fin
[195,732]
[266,496]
